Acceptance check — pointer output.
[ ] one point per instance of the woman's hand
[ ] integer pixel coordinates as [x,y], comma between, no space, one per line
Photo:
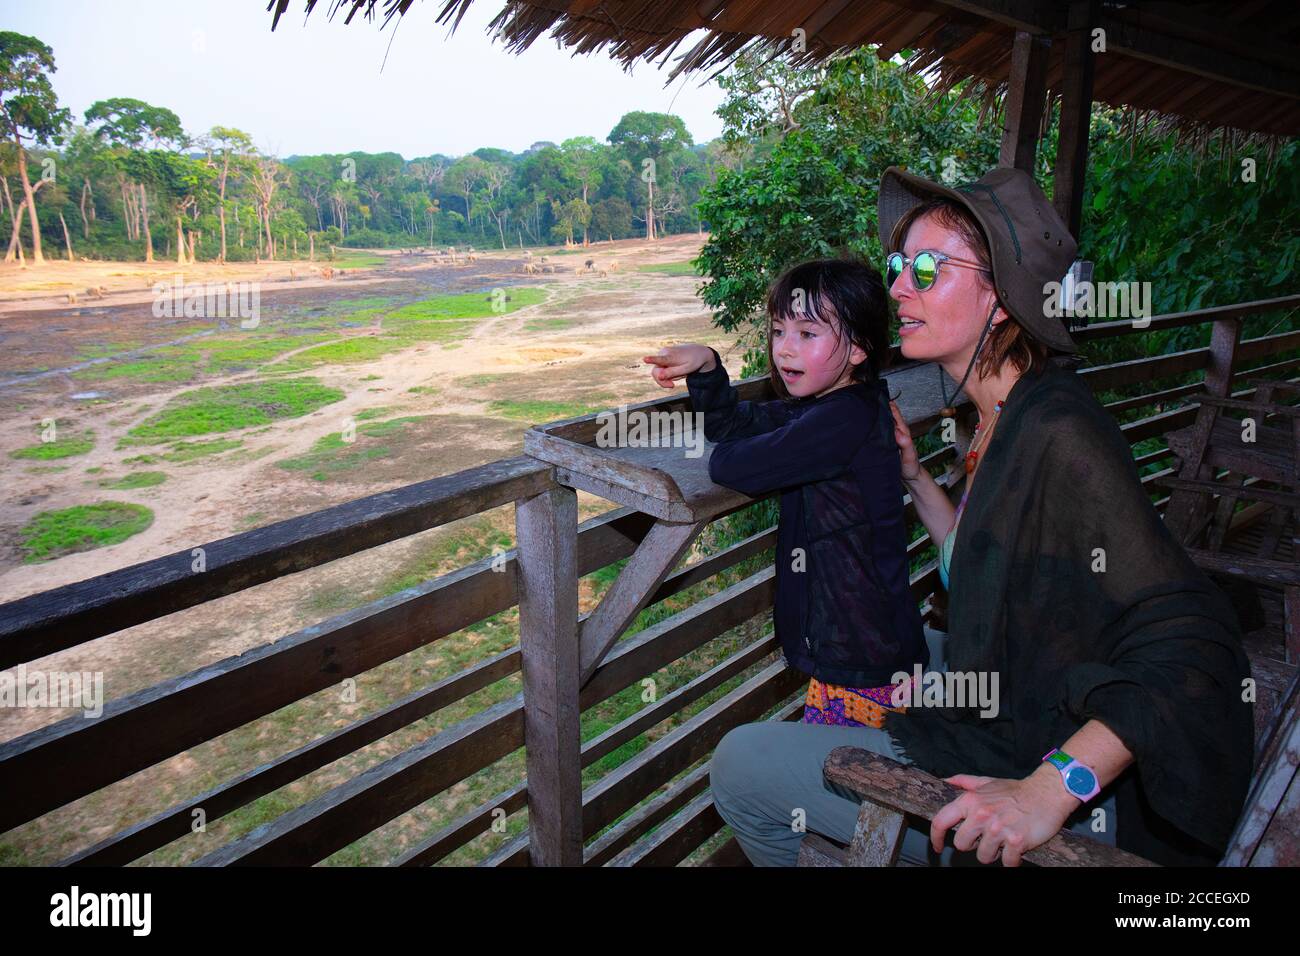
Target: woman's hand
[1009,817]
[678,361]
[911,464]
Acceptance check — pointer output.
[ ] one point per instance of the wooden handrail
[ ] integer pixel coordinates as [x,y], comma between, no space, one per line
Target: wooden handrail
[64,617]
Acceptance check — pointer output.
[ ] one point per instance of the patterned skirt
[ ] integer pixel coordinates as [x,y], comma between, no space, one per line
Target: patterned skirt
[848,706]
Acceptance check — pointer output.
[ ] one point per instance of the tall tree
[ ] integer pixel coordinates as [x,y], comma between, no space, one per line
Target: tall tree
[29,109]
[267,176]
[127,125]
[647,139]
[229,142]
[582,161]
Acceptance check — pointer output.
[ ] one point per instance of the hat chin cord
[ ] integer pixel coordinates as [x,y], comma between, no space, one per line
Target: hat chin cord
[948,410]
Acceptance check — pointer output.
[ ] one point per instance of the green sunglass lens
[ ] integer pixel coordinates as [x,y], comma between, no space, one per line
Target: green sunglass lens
[924,270]
[893,269]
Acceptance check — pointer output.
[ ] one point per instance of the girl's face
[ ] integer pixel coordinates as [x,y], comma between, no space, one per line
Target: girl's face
[810,356]
[942,323]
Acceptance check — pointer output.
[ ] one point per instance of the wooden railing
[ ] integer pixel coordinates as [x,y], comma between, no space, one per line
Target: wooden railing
[144,728]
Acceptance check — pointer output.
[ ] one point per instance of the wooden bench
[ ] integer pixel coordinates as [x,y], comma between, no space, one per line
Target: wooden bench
[1267,833]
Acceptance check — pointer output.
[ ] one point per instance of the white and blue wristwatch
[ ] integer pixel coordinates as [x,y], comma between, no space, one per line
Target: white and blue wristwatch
[1078,778]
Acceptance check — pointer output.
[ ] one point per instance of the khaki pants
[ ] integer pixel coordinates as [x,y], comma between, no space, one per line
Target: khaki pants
[767,783]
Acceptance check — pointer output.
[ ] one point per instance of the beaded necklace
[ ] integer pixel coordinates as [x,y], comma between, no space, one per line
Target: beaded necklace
[973,455]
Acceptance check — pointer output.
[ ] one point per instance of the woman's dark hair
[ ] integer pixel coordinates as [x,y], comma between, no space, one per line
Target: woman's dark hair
[847,295]
[1007,341]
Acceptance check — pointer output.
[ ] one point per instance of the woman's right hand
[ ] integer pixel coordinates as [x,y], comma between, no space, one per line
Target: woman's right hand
[910,463]
[677,361]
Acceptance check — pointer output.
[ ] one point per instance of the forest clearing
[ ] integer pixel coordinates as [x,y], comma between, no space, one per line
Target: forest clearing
[422,408]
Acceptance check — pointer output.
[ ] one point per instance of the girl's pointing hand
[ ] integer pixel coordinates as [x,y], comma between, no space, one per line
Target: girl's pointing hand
[677,361]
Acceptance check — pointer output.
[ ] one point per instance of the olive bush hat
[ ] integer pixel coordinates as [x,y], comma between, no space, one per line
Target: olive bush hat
[1029,244]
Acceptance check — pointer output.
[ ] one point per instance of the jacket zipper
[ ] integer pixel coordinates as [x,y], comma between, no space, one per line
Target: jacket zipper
[805,499]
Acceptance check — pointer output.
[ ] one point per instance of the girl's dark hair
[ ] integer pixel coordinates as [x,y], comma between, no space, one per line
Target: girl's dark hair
[1007,341]
[847,295]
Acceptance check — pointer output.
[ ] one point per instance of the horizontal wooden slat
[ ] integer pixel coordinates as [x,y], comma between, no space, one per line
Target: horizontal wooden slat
[328,823]
[1175,320]
[675,840]
[625,833]
[622,788]
[1138,371]
[63,617]
[312,831]
[175,822]
[180,713]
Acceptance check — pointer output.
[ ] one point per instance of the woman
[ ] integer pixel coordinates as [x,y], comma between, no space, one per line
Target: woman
[1119,668]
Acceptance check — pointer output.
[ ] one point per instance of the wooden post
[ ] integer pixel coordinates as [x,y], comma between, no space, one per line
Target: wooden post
[1023,106]
[877,838]
[1076,112]
[1185,513]
[546,527]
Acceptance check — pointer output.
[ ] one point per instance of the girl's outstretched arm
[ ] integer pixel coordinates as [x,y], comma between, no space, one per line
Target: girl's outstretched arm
[725,416]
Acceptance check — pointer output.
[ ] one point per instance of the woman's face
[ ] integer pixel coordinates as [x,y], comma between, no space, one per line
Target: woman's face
[942,323]
[810,356]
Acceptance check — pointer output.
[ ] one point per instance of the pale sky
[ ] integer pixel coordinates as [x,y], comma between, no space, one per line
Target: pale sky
[316,86]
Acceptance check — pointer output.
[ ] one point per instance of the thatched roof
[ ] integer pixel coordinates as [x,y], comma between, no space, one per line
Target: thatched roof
[1197,66]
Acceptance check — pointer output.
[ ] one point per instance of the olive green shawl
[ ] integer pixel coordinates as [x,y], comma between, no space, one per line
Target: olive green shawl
[1133,634]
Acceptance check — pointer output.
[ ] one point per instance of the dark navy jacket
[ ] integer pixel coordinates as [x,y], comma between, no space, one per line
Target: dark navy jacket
[844,609]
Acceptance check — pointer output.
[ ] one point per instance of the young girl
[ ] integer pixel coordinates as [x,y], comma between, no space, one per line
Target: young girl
[844,610]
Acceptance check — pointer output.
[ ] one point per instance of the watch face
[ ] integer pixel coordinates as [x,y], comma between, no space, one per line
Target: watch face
[1080,781]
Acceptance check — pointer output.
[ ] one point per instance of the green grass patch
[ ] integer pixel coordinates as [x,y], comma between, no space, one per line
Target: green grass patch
[423,390]
[671,268]
[249,352]
[365,348]
[64,446]
[536,411]
[52,534]
[187,451]
[357,260]
[138,479]
[225,408]
[160,367]
[331,455]
[468,305]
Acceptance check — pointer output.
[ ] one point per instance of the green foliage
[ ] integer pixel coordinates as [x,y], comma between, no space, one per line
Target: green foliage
[51,534]
[1192,227]
[815,192]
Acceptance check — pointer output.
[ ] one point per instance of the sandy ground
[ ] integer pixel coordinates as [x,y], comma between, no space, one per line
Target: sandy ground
[614,320]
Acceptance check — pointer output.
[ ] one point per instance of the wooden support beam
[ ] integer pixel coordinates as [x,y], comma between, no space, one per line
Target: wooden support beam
[877,837]
[1076,113]
[652,561]
[547,530]
[1136,38]
[1185,507]
[1023,106]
